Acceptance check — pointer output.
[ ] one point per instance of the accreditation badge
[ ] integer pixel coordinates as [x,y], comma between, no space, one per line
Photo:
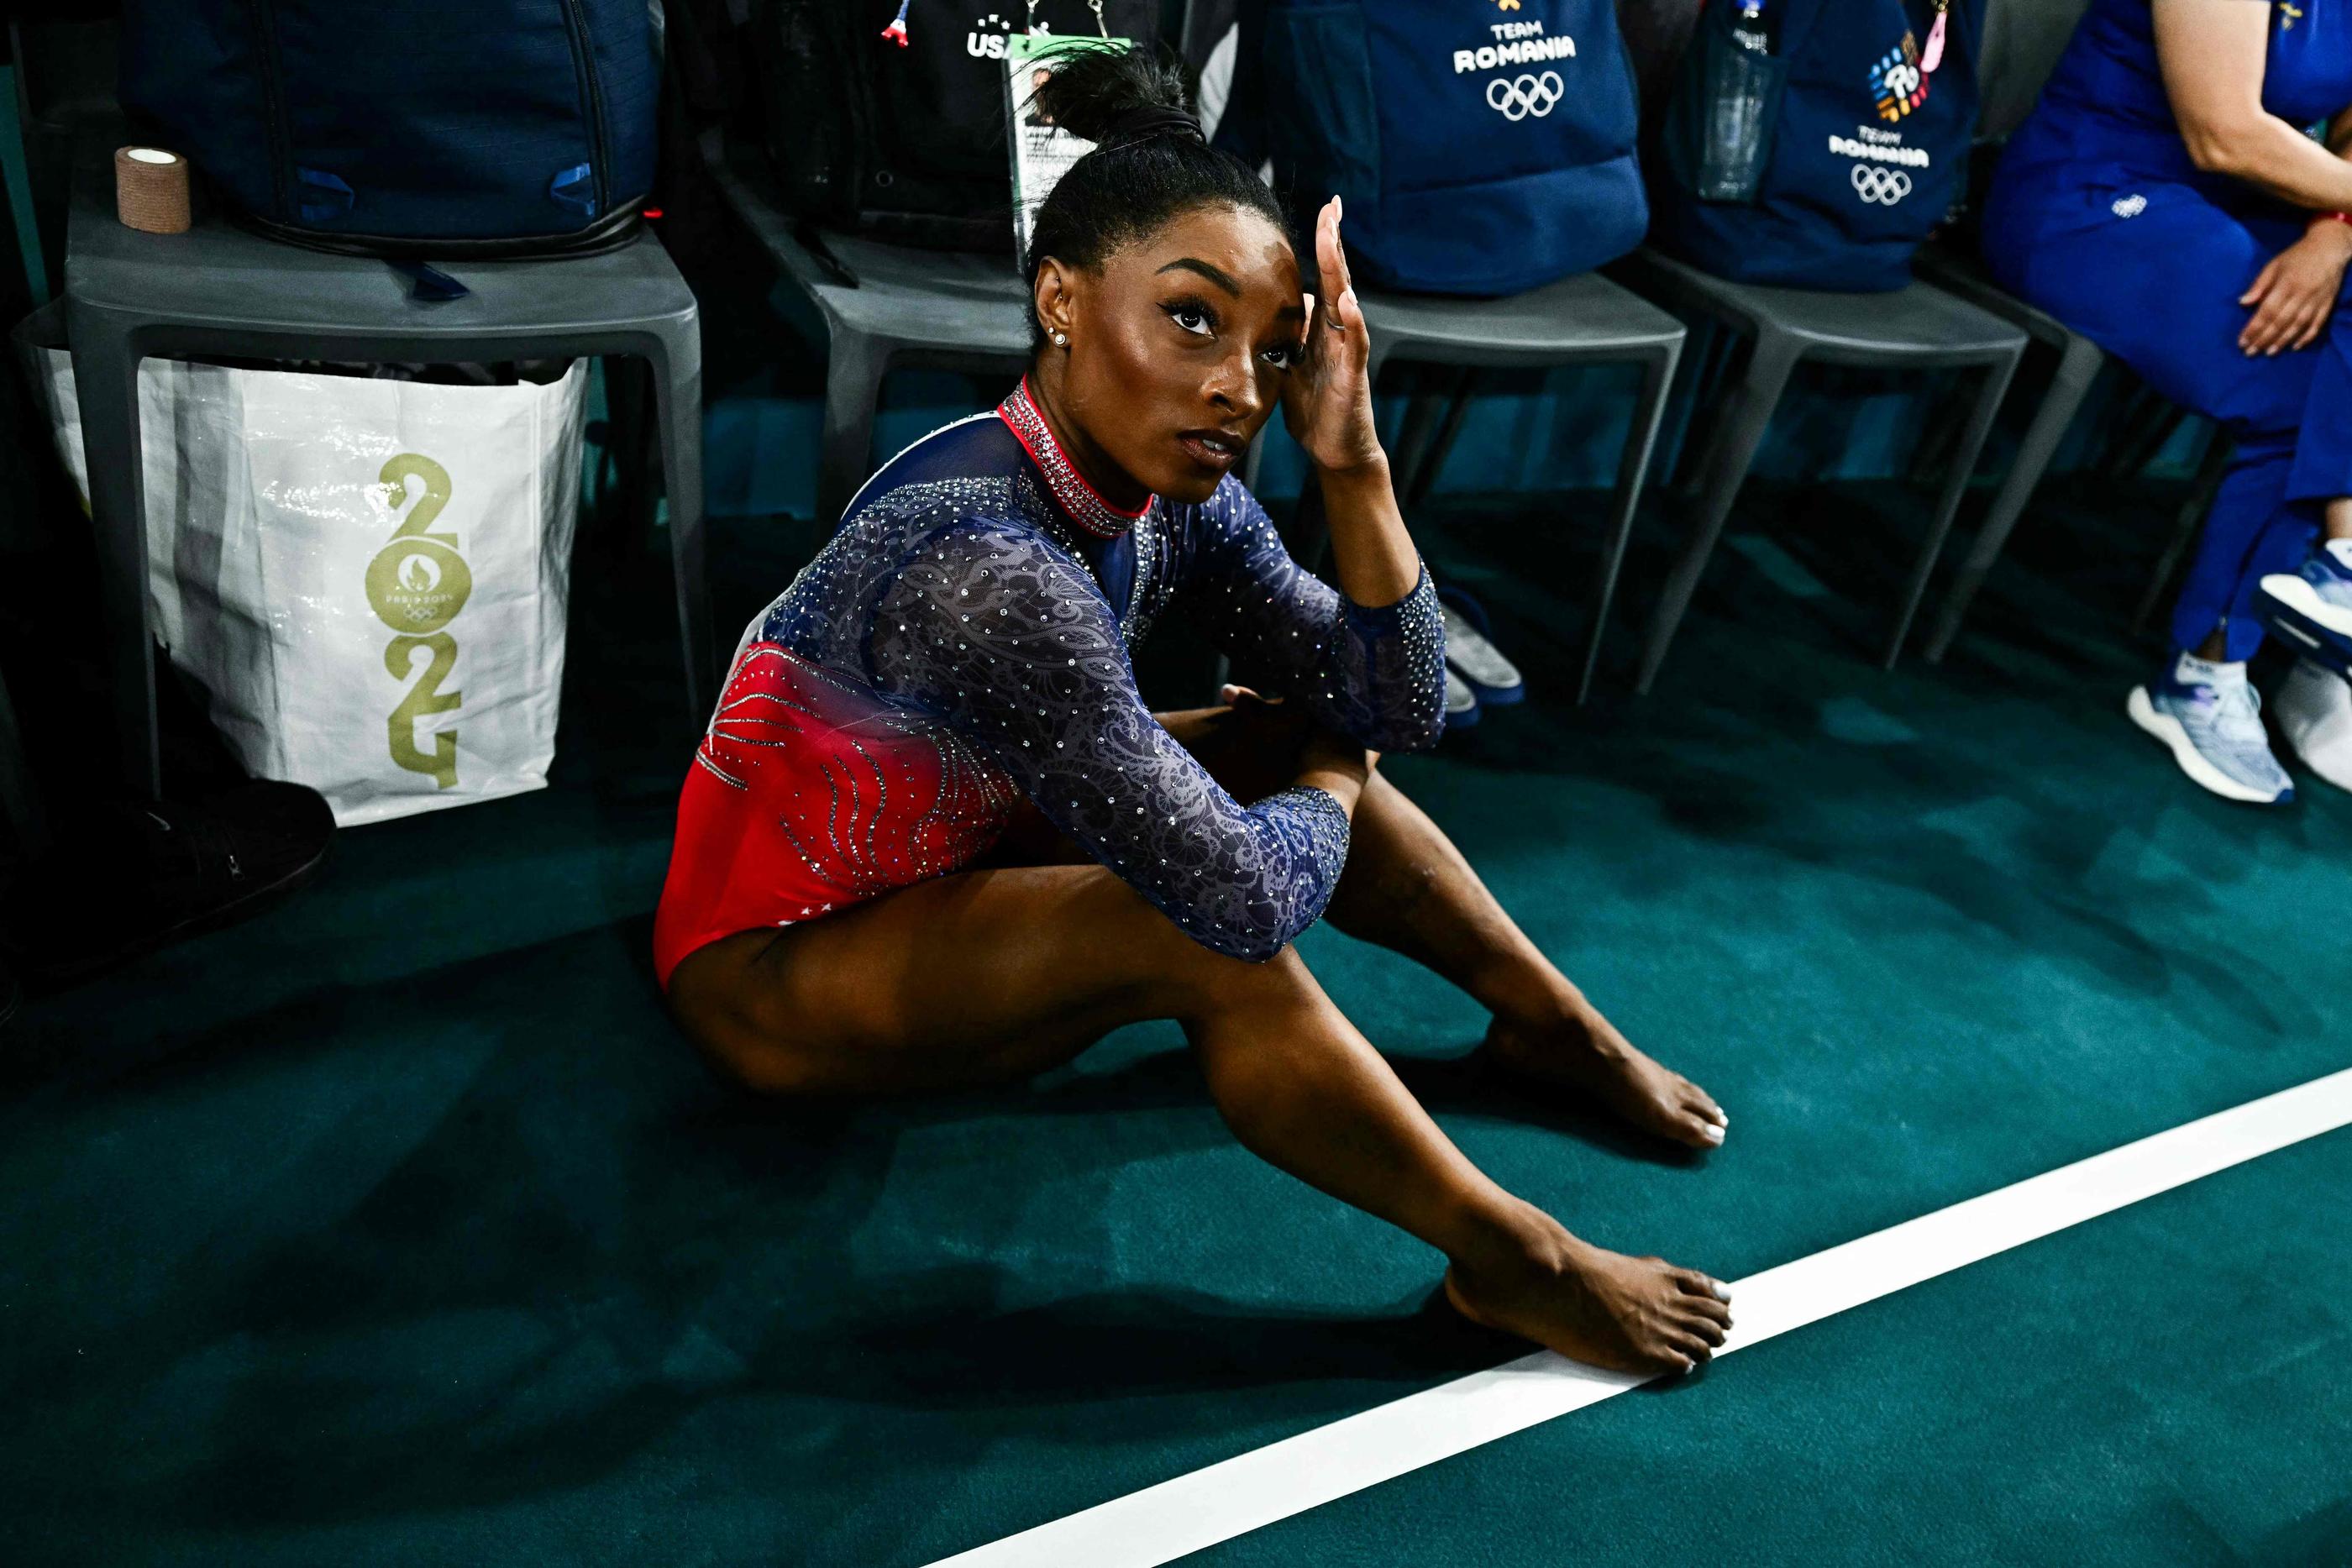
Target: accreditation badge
[1042,151]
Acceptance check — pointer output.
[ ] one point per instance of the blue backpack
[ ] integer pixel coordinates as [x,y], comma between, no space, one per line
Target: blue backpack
[1863,153]
[495,127]
[1478,151]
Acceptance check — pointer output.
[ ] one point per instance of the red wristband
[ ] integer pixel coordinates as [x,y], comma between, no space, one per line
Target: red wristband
[2317,218]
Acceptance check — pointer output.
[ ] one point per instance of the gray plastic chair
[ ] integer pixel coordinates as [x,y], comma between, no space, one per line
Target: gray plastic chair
[218,290]
[2079,363]
[1917,327]
[896,306]
[1580,320]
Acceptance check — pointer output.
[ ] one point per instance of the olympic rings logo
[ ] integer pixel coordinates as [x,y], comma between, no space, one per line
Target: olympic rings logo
[1882,186]
[1516,97]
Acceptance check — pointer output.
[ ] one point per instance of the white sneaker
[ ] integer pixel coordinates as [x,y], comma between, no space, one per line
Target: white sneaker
[2210,717]
[2314,710]
[1494,678]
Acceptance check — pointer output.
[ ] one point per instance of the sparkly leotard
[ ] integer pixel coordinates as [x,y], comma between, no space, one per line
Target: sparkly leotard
[962,643]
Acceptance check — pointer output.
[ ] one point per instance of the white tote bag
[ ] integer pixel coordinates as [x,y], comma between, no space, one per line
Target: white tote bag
[368,577]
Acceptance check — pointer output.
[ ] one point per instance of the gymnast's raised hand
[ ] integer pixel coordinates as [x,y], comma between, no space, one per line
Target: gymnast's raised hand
[1327,404]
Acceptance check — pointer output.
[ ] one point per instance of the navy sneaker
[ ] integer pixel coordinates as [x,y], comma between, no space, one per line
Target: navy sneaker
[2313,609]
[2215,731]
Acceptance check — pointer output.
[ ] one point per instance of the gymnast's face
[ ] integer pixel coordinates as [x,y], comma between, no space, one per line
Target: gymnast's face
[1179,345]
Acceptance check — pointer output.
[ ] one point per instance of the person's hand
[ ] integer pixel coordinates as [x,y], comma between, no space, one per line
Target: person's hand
[1279,723]
[1327,404]
[1267,726]
[2295,294]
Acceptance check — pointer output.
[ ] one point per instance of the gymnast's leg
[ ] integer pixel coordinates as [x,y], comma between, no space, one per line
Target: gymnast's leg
[998,973]
[1408,888]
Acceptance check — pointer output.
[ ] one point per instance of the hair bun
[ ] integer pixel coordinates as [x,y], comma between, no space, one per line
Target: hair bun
[1104,95]
[1143,124]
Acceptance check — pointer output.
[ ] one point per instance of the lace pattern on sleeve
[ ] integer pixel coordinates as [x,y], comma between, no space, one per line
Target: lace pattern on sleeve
[1010,639]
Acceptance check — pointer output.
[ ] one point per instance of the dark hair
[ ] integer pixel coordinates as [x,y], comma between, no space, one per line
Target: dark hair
[1138,178]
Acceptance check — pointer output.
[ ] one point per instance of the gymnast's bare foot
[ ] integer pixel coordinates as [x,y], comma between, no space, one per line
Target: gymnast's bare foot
[1583,1051]
[1630,1314]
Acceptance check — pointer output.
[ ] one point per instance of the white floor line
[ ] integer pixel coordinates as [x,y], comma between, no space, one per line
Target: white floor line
[1235,1496]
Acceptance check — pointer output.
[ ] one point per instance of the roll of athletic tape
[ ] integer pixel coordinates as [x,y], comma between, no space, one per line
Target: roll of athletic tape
[150,190]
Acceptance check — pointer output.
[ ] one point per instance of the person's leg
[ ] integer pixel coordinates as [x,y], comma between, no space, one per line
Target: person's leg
[996,974]
[2253,529]
[2153,277]
[1409,888]
[2309,603]
[2154,274]
[2307,596]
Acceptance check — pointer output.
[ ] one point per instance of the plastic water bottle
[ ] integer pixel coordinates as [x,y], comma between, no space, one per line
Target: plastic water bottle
[1736,119]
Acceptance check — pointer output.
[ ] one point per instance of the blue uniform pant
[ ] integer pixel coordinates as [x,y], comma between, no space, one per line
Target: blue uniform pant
[2151,272]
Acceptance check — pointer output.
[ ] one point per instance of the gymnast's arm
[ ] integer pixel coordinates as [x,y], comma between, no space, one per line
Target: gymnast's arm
[1009,640]
[1375,673]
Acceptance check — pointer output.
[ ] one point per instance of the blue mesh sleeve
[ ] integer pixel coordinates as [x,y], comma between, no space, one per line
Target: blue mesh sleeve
[1007,638]
[1376,674]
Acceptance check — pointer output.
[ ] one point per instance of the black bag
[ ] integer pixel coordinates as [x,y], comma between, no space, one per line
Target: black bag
[896,128]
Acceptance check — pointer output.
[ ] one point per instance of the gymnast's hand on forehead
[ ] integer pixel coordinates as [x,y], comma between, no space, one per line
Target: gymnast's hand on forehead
[1327,405]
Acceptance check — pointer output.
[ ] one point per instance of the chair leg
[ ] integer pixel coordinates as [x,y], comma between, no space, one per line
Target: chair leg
[1947,407]
[106,384]
[676,364]
[1722,470]
[852,387]
[641,454]
[2078,366]
[2191,517]
[1706,356]
[1965,452]
[1433,463]
[1423,408]
[2144,434]
[1633,472]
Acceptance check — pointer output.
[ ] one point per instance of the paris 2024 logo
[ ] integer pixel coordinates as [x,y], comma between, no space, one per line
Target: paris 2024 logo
[418,584]
[1897,83]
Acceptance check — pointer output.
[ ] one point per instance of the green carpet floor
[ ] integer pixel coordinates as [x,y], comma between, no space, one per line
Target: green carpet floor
[397,1226]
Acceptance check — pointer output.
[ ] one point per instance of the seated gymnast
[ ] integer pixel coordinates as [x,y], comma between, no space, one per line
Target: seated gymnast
[933,837]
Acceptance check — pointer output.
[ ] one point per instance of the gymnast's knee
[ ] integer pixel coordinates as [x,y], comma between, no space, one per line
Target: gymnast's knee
[746,1033]
[1204,983]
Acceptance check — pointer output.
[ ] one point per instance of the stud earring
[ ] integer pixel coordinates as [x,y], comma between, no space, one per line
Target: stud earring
[1061,339]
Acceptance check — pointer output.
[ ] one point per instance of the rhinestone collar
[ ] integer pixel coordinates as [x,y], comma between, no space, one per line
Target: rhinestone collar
[1069,487]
